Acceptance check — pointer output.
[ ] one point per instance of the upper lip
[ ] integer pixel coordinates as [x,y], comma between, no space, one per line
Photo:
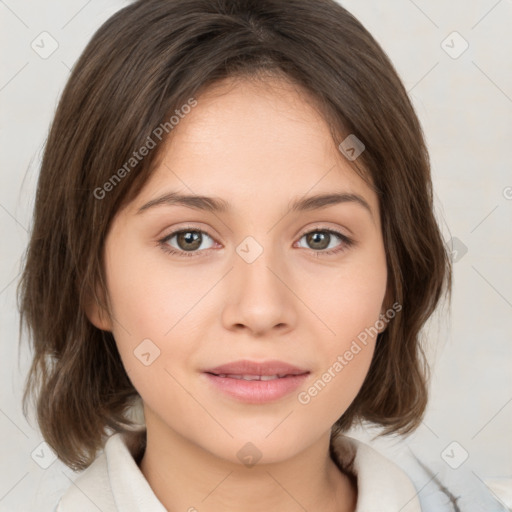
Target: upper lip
[246,367]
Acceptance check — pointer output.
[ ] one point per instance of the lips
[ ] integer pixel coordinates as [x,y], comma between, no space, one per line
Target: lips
[246,368]
[256,383]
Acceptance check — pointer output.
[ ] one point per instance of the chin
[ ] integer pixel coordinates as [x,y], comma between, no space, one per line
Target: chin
[260,447]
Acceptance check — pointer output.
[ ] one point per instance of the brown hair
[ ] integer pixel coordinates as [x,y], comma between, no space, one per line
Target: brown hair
[143,64]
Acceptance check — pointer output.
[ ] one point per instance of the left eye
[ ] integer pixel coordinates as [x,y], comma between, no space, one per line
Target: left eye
[190,241]
[321,239]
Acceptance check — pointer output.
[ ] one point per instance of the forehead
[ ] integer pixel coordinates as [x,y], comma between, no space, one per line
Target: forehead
[263,120]
[246,141]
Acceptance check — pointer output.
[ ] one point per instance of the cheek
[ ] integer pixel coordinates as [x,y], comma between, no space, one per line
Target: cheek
[149,297]
[155,341]
[349,298]
[150,309]
[345,365]
[349,305]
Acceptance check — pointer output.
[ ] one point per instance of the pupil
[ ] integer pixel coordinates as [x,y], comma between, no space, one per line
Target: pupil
[319,238]
[189,237]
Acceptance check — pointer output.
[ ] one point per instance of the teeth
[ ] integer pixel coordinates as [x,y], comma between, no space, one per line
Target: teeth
[251,377]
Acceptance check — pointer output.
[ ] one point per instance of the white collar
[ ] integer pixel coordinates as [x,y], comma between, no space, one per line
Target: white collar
[115,482]
[381,485]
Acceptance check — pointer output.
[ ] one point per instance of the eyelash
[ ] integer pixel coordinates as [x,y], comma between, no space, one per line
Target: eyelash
[346,242]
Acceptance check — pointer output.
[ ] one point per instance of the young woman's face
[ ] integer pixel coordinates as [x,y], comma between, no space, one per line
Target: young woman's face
[193,287]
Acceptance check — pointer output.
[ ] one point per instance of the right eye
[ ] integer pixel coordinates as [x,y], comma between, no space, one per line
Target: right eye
[189,241]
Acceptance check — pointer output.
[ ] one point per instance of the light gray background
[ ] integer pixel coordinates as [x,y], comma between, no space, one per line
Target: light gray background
[465,106]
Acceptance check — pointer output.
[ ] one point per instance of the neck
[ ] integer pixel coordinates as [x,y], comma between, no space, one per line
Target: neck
[184,476]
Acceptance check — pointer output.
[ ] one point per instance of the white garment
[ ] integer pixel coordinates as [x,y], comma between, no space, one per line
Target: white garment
[415,482]
[114,482]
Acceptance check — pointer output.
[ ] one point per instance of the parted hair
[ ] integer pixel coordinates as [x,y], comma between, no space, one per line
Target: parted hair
[141,66]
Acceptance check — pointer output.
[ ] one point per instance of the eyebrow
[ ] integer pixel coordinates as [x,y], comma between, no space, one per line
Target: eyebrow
[218,205]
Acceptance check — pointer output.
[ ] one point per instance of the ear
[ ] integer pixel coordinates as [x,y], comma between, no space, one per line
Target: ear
[97,314]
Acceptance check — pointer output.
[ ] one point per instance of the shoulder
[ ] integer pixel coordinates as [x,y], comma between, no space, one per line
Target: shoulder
[90,490]
[381,484]
[417,482]
[113,481]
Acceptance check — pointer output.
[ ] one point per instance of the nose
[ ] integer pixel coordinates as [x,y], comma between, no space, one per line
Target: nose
[260,296]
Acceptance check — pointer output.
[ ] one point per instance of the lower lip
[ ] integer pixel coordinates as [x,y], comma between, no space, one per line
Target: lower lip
[257,391]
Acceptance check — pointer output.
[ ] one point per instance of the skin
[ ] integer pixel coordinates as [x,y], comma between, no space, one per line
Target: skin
[257,146]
